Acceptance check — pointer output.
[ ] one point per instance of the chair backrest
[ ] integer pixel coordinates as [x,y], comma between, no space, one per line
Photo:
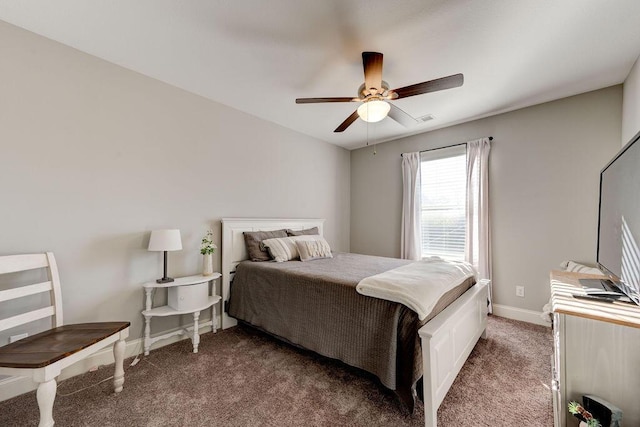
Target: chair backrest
[18,263]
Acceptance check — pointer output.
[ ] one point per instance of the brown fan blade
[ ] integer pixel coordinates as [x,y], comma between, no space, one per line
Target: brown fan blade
[401,116]
[448,82]
[316,100]
[352,118]
[372,63]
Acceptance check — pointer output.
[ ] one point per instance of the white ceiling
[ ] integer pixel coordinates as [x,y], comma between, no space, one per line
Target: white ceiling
[259,55]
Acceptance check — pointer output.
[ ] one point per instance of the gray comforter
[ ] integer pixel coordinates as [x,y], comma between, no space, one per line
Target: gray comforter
[315,305]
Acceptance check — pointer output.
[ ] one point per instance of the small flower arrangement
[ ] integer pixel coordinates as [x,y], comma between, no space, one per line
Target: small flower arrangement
[207,247]
[583,415]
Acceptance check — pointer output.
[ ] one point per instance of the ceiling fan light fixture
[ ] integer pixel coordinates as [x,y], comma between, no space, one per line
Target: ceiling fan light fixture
[374,110]
[374,93]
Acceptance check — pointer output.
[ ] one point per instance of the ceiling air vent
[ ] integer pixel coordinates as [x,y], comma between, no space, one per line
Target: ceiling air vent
[425,118]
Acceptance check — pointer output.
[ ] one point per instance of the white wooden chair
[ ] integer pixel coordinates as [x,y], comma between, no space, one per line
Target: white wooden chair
[44,355]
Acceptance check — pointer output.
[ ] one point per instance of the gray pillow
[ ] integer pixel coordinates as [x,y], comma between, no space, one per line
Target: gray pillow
[253,240]
[308,231]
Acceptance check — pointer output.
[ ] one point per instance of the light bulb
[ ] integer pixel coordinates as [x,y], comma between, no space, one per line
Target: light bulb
[374,110]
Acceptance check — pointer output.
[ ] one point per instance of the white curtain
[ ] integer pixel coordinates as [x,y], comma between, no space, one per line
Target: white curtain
[478,239]
[410,238]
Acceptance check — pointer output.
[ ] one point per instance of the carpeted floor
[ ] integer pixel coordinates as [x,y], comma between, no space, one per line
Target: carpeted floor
[241,377]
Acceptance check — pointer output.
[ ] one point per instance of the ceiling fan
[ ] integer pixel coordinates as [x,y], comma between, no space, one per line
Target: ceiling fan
[374,94]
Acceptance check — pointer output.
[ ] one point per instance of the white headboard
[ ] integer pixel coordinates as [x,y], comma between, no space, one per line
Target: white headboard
[234,249]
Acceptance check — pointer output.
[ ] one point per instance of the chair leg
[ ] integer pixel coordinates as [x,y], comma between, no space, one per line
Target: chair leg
[45,395]
[118,355]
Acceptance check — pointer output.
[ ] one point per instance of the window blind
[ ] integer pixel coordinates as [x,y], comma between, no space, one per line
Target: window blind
[443,191]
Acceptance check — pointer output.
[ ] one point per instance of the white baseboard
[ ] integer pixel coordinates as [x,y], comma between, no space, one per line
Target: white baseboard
[521,314]
[15,386]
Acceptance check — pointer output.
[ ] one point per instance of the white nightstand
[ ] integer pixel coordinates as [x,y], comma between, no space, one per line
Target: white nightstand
[186,295]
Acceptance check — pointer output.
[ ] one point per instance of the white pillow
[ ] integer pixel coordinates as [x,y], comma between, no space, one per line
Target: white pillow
[313,247]
[282,248]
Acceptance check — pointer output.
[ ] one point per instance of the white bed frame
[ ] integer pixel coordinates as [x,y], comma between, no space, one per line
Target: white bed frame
[447,339]
[234,249]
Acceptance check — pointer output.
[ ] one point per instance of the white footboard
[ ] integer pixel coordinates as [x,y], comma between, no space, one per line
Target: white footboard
[447,341]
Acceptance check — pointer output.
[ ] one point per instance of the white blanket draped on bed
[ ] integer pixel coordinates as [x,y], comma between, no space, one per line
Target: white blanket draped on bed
[418,285]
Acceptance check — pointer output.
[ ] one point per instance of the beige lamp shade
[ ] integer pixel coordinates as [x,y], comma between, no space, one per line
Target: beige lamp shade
[165,240]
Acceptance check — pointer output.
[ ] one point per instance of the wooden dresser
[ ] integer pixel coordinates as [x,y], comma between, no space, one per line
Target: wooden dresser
[596,350]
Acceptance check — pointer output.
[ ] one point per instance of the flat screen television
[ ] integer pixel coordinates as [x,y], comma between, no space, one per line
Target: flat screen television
[618,253]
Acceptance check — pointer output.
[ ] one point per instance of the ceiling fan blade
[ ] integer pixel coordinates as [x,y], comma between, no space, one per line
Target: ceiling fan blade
[316,100]
[443,83]
[372,63]
[352,118]
[401,116]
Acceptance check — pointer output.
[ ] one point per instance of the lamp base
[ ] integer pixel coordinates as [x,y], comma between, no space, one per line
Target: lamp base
[165,280]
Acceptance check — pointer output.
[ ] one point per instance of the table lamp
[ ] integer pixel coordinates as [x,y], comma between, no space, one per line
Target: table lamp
[165,240]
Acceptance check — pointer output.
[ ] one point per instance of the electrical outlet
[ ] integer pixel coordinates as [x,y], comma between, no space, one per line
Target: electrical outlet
[14,338]
[520,291]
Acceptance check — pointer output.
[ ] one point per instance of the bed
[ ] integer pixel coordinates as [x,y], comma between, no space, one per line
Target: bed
[314,305]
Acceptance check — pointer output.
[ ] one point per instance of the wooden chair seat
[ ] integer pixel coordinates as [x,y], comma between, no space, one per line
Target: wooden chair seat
[45,348]
[44,355]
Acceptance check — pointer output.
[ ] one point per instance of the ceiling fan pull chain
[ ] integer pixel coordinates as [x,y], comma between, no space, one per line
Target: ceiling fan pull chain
[367,131]
[374,145]
[374,141]
[367,128]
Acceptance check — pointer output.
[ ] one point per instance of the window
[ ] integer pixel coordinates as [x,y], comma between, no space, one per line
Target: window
[443,192]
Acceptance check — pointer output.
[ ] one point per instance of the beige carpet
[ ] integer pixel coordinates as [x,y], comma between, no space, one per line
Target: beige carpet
[244,378]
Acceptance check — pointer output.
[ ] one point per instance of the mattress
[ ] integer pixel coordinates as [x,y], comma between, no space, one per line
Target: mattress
[314,305]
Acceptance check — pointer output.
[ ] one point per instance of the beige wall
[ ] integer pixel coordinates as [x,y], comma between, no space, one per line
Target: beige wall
[544,174]
[95,156]
[631,104]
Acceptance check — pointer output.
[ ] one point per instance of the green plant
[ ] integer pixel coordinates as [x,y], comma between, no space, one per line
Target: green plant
[207,247]
[583,415]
